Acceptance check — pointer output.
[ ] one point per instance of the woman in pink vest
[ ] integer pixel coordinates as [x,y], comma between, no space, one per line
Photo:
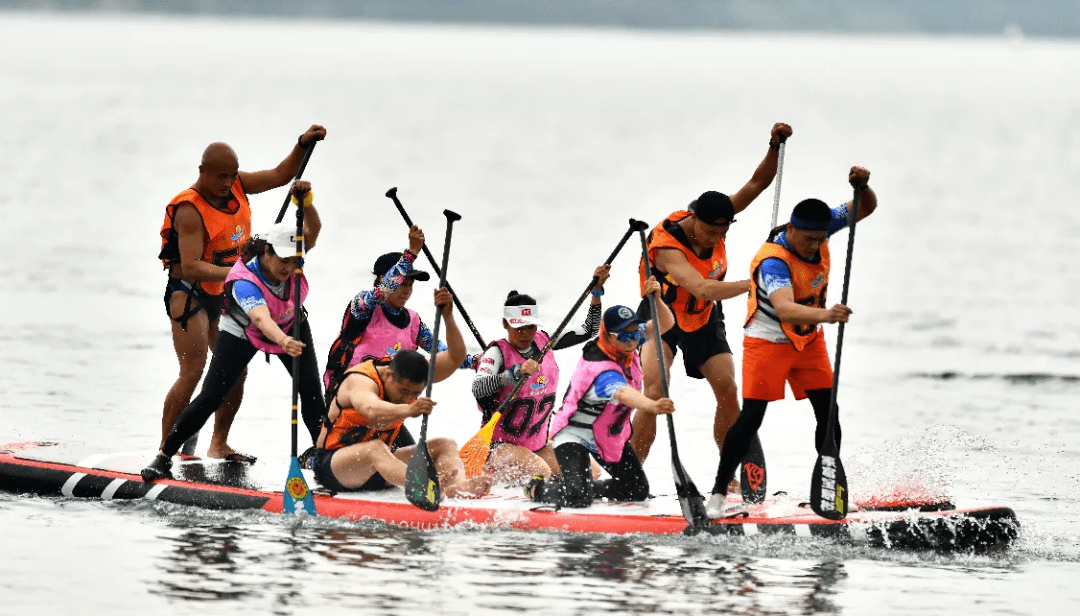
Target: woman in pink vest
[519,445]
[377,325]
[259,313]
[594,420]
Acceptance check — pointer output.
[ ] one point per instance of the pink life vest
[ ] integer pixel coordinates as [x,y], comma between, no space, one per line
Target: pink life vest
[281,308]
[524,421]
[611,428]
[380,340]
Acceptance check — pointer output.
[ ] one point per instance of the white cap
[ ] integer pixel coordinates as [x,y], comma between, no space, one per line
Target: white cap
[282,237]
[521,316]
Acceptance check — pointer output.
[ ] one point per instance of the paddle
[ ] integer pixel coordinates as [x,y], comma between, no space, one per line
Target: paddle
[753,479]
[392,193]
[474,453]
[296,487]
[690,500]
[309,148]
[421,480]
[828,485]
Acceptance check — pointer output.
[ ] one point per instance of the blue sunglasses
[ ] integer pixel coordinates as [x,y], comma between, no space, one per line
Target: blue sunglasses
[628,336]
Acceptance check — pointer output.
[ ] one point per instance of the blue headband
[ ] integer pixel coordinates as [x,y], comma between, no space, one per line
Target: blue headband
[809,225]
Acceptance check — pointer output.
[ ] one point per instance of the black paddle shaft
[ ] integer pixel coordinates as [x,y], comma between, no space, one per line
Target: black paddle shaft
[451,218]
[635,225]
[297,314]
[392,194]
[690,500]
[299,172]
[853,217]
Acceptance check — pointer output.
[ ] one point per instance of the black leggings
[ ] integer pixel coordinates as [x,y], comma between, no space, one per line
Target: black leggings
[737,442]
[576,487]
[231,356]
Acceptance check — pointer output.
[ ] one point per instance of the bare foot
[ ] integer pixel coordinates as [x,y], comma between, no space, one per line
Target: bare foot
[470,488]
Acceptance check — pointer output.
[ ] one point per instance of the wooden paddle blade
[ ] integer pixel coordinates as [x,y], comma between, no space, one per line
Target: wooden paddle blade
[690,500]
[474,454]
[828,488]
[296,490]
[753,478]
[421,480]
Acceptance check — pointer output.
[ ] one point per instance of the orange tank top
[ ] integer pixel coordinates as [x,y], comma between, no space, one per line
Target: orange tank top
[224,231]
[809,285]
[691,313]
[351,426]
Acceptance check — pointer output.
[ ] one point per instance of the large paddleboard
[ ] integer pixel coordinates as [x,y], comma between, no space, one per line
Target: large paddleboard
[62,469]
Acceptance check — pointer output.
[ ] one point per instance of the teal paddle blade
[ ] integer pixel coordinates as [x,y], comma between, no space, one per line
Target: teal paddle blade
[296,490]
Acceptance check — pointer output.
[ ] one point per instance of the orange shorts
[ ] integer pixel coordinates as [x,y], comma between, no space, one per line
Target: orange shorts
[767,365]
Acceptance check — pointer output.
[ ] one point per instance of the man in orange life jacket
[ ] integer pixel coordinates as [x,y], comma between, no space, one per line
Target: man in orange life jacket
[689,255]
[355,447]
[783,340]
[205,227]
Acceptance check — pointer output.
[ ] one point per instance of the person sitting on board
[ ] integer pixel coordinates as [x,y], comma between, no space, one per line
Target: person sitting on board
[783,340]
[377,325]
[594,420]
[689,258]
[519,444]
[204,230]
[354,451]
[259,311]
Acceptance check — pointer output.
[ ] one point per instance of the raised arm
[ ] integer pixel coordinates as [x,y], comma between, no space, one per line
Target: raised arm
[302,194]
[446,362]
[256,182]
[859,178]
[765,172]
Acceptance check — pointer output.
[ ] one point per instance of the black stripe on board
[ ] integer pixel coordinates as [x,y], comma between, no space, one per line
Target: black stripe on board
[29,479]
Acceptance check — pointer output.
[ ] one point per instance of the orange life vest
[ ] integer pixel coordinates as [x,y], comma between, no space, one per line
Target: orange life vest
[691,313]
[809,285]
[225,231]
[351,426]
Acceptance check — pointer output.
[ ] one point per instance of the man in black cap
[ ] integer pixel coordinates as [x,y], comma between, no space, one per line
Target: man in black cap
[690,260]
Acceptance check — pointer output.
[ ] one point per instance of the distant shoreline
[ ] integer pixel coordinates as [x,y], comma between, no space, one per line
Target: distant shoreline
[1010,18]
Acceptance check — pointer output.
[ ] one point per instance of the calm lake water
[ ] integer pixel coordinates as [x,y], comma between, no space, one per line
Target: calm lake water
[961,364]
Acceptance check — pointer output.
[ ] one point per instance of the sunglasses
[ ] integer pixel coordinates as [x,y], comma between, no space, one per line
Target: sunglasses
[628,336]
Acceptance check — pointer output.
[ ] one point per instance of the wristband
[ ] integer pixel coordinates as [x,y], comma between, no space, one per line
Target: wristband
[309,199]
[300,141]
[863,187]
[774,147]
[597,292]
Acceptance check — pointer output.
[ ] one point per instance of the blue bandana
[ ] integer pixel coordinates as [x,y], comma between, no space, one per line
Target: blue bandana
[809,225]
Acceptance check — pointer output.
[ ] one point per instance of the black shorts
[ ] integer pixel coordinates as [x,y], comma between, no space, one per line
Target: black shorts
[325,475]
[698,346]
[197,300]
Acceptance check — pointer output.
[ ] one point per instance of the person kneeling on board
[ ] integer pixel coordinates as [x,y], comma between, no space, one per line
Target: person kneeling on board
[259,312]
[783,340]
[594,421]
[373,400]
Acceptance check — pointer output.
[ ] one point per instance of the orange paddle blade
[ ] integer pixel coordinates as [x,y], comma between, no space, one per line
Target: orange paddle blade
[474,454]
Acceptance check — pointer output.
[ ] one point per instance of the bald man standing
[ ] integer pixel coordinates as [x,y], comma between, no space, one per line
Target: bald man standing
[205,227]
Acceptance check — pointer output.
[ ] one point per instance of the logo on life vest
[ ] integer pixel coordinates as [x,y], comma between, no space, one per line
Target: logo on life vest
[391,351]
[820,279]
[239,233]
[717,267]
[540,383]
